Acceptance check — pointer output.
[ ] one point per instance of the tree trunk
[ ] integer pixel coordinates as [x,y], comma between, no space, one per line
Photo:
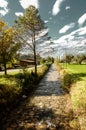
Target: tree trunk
[35,61]
[5,68]
[34,49]
[4,63]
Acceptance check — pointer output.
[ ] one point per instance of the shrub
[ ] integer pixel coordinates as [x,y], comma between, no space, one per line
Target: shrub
[28,80]
[13,86]
[8,93]
[68,80]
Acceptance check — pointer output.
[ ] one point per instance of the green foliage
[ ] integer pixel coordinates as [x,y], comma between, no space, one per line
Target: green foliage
[72,74]
[9,91]
[14,85]
[9,44]
[69,58]
[49,59]
[79,58]
[42,60]
[46,60]
[28,80]
[69,79]
[30,26]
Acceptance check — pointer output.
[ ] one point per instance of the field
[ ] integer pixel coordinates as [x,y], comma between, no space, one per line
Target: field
[78,90]
[73,68]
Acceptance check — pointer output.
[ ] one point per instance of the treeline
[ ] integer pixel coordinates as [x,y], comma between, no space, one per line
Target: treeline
[74,59]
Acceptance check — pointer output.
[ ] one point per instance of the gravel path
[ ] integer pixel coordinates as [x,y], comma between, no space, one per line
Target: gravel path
[49,108]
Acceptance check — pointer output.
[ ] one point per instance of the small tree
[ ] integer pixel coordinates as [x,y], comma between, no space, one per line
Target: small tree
[9,44]
[30,27]
[79,58]
[69,58]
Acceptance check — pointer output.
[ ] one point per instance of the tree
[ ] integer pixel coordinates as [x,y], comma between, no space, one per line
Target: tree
[31,28]
[69,58]
[9,44]
[79,58]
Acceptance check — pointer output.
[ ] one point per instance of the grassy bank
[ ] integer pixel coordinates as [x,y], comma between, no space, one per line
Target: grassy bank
[14,85]
[74,80]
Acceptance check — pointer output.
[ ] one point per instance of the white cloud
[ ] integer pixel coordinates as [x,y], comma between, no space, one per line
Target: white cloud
[4,7]
[78,31]
[3,4]
[82,19]
[70,37]
[73,44]
[3,12]
[66,28]
[56,7]
[46,21]
[83,31]
[70,42]
[18,13]
[26,3]
[67,7]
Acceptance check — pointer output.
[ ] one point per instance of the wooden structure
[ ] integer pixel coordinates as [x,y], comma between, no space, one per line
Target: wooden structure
[26,62]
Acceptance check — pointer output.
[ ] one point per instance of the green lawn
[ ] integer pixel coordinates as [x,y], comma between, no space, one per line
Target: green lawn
[76,68]
[79,70]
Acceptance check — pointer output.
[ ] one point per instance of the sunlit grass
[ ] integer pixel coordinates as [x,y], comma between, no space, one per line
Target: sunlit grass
[74,68]
[78,90]
[16,82]
[78,95]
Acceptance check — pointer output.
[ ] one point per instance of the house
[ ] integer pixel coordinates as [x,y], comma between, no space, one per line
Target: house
[27,62]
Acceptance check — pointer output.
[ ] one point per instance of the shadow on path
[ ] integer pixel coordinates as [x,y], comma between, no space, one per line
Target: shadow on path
[47,109]
[34,118]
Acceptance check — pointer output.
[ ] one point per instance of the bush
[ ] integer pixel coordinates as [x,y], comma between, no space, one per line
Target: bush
[8,93]
[28,80]
[68,80]
[13,86]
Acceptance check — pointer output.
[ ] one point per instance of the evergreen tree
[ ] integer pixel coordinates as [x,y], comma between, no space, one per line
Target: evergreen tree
[31,27]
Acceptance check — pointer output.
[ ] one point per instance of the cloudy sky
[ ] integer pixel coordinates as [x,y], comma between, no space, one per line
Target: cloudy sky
[65,19]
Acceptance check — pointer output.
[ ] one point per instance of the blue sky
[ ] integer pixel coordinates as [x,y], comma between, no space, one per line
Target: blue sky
[65,19]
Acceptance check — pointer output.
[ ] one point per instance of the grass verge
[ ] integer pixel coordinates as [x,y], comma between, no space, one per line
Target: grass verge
[74,81]
[13,86]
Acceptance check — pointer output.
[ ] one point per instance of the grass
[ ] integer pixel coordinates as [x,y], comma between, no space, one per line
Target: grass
[78,90]
[73,68]
[77,71]
[15,86]
[15,83]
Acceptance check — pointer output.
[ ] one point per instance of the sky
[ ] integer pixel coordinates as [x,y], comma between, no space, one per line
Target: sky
[65,20]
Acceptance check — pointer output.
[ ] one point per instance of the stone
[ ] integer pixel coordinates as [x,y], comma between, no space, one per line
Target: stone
[29,126]
[41,127]
[24,96]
